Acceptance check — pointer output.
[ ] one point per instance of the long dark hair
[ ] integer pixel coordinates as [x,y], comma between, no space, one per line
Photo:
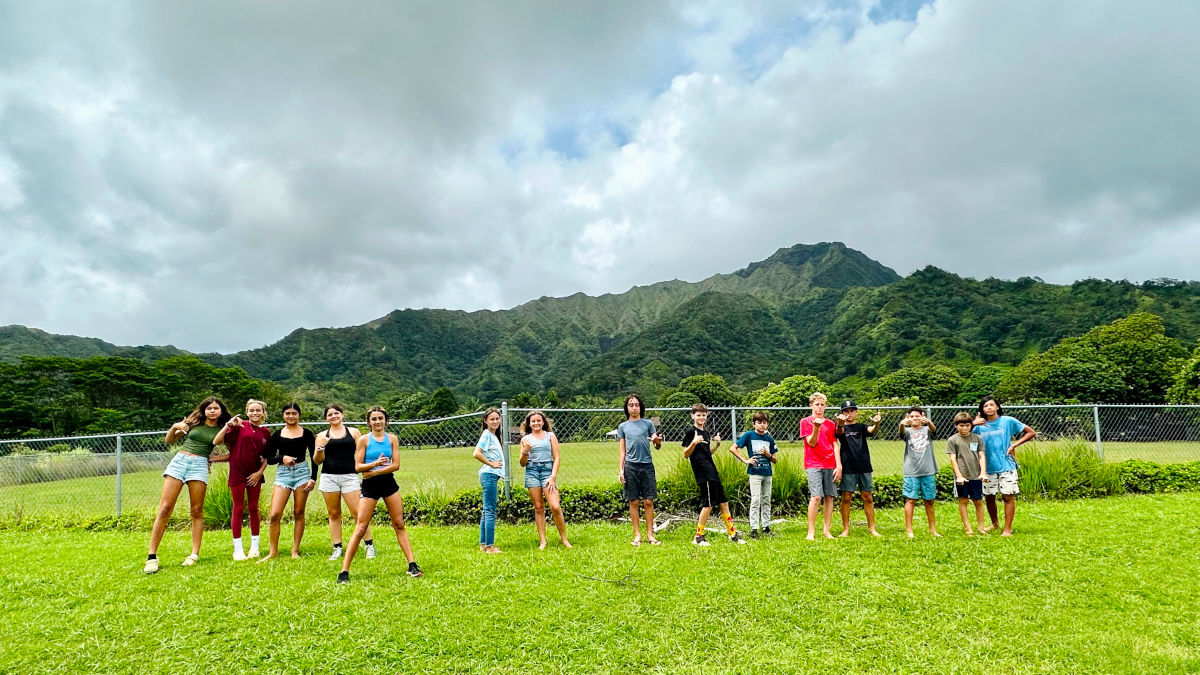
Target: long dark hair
[529,415]
[641,405]
[197,416]
[999,408]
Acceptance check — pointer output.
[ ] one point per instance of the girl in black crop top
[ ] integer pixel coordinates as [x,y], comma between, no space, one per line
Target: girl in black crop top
[339,480]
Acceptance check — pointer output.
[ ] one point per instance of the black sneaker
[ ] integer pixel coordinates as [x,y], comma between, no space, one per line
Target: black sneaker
[414,570]
[767,532]
[343,577]
[700,541]
[736,539]
[754,534]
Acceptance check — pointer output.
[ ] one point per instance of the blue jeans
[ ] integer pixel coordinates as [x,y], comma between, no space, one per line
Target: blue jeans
[487,521]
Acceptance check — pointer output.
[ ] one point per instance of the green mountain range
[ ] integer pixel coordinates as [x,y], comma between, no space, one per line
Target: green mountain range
[823,309]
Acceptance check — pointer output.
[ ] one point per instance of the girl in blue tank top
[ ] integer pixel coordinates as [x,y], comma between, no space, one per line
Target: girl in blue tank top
[375,457]
[539,456]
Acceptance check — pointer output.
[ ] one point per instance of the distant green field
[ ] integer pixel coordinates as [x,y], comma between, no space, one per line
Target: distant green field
[446,470]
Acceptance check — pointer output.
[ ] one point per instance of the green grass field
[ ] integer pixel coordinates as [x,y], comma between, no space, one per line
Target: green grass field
[1085,586]
[445,470]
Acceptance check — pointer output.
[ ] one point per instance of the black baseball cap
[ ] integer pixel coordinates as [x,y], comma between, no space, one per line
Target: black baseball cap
[848,404]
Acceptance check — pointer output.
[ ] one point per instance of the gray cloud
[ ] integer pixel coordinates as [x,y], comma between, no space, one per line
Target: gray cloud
[214,175]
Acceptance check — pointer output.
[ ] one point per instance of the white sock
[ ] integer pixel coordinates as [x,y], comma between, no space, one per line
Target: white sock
[254,542]
[237,545]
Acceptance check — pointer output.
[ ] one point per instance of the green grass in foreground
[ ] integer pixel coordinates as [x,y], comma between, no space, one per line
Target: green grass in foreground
[446,470]
[1085,586]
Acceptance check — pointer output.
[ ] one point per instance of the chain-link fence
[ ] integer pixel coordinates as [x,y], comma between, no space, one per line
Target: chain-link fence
[115,474]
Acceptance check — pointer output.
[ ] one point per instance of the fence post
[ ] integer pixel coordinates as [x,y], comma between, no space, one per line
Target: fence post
[118,474]
[1096,423]
[504,442]
[733,424]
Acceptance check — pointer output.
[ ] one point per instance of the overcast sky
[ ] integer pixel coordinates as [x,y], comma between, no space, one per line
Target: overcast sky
[214,175]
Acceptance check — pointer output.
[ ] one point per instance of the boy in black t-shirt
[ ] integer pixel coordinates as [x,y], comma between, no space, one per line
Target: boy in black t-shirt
[856,464]
[698,444]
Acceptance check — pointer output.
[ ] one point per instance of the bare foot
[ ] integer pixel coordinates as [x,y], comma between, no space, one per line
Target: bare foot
[986,528]
[1006,533]
[636,542]
[542,545]
[492,549]
[845,533]
[567,544]
[295,555]
[827,534]
[968,532]
[811,537]
[874,533]
[934,533]
[909,534]
[268,557]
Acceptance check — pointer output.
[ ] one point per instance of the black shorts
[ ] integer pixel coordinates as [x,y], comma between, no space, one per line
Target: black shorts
[379,487]
[972,489]
[640,482]
[712,493]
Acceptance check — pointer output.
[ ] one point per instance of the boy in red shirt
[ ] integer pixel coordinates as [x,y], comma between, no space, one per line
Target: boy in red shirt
[822,464]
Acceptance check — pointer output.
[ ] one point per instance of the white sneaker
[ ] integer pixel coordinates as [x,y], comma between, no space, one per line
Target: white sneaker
[238,556]
[337,553]
[190,560]
[151,566]
[370,551]
[253,553]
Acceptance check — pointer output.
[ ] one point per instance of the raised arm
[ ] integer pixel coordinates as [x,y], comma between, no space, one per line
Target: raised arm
[176,432]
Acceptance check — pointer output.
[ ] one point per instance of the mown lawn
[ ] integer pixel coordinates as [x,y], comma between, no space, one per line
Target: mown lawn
[1085,586]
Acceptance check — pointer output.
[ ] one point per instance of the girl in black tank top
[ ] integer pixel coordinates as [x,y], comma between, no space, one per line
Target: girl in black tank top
[339,480]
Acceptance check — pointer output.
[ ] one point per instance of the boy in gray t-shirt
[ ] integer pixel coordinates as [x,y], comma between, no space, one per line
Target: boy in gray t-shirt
[636,466]
[969,462]
[920,467]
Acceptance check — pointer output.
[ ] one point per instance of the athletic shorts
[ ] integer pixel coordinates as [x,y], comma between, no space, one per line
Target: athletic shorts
[379,487]
[537,474]
[640,482]
[187,468]
[340,482]
[920,487]
[972,489]
[712,493]
[1005,483]
[292,477]
[858,482]
[820,482]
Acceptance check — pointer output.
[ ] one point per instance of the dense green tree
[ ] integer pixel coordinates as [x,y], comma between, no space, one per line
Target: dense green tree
[983,382]
[710,389]
[681,399]
[1127,361]
[442,403]
[929,384]
[791,391]
[1186,388]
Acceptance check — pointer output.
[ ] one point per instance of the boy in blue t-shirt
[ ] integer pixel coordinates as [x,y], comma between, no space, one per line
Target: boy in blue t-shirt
[1000,450]
[760,456]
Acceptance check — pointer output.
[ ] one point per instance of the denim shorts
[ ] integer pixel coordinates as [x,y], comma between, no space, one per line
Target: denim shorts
[187,468]
[858,482]
[340,482]
[920,487]
[292,477]
[537,474]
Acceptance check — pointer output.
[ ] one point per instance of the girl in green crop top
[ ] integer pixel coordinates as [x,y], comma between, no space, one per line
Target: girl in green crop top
[194,435]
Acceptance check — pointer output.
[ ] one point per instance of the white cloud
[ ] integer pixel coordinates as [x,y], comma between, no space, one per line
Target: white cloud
[317,167]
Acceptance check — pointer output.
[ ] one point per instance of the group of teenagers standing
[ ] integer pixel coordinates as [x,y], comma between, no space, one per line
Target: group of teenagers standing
[358,468]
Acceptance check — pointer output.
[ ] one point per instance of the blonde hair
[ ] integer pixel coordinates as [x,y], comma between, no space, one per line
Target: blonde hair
[818,396]
[260,403]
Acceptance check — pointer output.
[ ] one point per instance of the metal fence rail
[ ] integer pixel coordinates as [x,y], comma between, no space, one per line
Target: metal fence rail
[122,473]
